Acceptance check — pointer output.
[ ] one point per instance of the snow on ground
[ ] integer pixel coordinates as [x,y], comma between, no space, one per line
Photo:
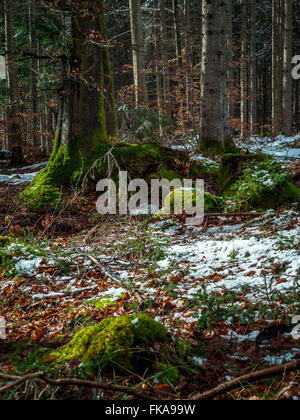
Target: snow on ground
[282,147]
[25,168]
[20,177]
[17,179]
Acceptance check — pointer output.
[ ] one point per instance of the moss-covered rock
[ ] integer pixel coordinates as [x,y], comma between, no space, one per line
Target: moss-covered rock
[76,162]
[263,185]
[114,338]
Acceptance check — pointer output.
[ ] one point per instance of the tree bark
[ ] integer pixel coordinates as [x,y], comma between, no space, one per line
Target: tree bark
[137,39]
[36,141]
[165,58]
[253,71]
[244,69]
[81,126]
[213,113]
[14,138]
[287,69]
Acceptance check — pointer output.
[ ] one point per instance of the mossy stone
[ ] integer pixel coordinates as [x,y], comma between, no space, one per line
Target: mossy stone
[114,338]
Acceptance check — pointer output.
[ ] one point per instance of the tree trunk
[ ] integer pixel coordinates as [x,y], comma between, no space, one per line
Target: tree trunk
[157,53]
[189,66]
[13,117]
[287,69]
[230,72]
[214,119]
[108,86]
[81,127]
[36,141]
[244,69]
[165,58]
[253,70]
[137,39]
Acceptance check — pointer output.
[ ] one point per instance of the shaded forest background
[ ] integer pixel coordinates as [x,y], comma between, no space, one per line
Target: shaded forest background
[163,101]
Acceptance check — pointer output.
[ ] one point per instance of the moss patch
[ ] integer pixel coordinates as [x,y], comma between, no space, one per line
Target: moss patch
[211,147]
[113,337]
[88,159]
[4,241]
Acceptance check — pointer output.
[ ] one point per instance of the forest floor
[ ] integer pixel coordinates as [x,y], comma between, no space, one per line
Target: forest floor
[229,288]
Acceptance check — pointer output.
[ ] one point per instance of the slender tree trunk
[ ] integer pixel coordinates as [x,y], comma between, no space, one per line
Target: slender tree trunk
[214,119]
[157,54]
[244,69]
[287,68]
[137,39]
[253,70]
[13,117]
[189,64]
[36,141]
[230,72]
[165,58]
[108,86]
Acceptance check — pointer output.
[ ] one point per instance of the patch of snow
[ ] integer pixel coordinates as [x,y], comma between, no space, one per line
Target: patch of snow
[28,267]
[17,179]
[279,360]
[35,166]
[199,361]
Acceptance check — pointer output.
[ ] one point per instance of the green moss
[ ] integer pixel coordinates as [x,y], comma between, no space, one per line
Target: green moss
[113,337]
[4,241]
[232,166]
[212,147]
[264,185]
[212,203]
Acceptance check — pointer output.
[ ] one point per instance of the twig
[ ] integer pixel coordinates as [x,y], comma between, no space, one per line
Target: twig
[71,381]
[250,377]
[109,276]
[18,381]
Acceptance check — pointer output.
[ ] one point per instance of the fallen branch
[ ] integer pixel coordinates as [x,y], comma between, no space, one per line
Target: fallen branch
[17,380]
[44,379]
[250,377]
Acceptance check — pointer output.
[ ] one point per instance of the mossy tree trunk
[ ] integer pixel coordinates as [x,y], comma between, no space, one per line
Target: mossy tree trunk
[81,127]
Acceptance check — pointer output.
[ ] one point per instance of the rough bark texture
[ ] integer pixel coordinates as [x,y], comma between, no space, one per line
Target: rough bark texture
[33,75]
[287,66]
[244,69]
[253,73]
[81,129]
[13,136]
[214,121]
